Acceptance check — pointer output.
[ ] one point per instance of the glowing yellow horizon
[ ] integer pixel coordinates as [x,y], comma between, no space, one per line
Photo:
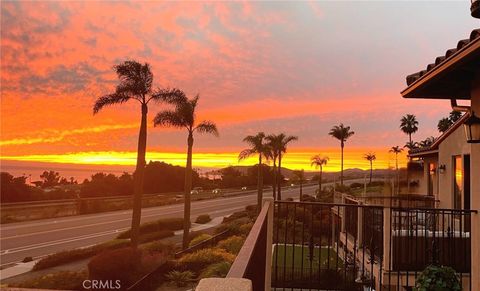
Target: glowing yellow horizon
[293,160]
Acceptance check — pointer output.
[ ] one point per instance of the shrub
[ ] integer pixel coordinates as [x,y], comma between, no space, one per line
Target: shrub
[437,278]
[180,279]
[198,239]
[235,216]
[121,264]
[218,270]
[63,280]
[234,227]
[158,247]
[200,259]
[245,228]
[232,244]
[204,218]
[148,237]
[64,257]
[155,226]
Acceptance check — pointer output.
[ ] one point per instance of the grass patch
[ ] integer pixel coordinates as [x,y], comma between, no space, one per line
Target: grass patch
[156,226]
[68,256]
[204,218]
[297,256]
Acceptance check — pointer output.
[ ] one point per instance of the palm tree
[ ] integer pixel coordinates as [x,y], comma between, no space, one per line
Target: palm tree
[370,157]
[300,175]
[396,150]
[444,124]
[409,125]
[454,116]
[184,117]
[272,154]
[278,144]
[318,162]
[411,145]
[136,84]
[342,133]
[427,142]
[257,146]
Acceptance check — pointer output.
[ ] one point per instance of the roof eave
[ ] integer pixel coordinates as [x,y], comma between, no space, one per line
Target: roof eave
[412,90]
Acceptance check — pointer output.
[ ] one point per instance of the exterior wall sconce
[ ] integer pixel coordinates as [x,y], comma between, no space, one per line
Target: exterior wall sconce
[441,169]
[475,8]
[472,124]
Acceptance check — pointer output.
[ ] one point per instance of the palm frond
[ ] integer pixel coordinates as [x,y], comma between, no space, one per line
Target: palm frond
[246,153]
[108,100]
[169,95]
[168,118]
[135,77]
[207,126]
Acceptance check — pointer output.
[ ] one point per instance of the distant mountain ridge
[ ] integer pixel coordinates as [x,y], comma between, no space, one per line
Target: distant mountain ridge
[348,173]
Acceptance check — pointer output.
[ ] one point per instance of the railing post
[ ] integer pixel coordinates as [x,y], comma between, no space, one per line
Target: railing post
[360,213]
[387,230]
[269,242]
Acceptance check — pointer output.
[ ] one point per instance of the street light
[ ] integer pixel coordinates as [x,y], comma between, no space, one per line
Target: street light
[472,128]
[475,8]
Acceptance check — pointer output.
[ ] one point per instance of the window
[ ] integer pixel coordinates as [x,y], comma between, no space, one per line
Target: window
[457,182]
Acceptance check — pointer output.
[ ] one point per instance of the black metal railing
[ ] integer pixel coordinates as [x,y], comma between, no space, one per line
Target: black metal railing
[424,236]
[321,246]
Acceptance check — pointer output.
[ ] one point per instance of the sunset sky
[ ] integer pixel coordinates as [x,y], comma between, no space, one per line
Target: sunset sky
[298,68]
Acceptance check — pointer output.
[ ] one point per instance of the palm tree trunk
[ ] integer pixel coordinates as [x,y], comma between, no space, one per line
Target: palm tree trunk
[138,178]
[410,137]
[341,171]
[260,184]
[279,178]
[274,182]
[301,188]
[187,189]
[371,169]
[320,182]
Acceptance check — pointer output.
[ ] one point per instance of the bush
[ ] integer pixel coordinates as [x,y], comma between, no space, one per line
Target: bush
[200,259]
[198,239]
[158,247]
[64,257]
[180,279]
[245,228]
[121,264]
[155,226]
[148,237]
[218,270]
[235,216]
[234,227]
[63,280]
[232,244]
[204,218]
[437,278]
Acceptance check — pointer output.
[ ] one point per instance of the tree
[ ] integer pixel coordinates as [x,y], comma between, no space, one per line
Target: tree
[444,124]
[411,145]
[370,157]
[396,150]
[260,148]
[184,116]
[427,142]
[454,116]
[318,162]
[342,133]
[409,125]
[136,84]
[50,178]
[278,145]
[300,175]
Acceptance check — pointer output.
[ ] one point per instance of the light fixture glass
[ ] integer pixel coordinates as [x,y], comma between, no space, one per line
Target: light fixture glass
[472,128]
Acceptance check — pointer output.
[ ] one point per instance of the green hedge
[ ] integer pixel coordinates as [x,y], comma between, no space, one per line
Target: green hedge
[68,256]
[155,226]
[62,280]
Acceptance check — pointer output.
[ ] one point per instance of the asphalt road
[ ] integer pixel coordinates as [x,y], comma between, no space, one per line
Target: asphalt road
[42,237]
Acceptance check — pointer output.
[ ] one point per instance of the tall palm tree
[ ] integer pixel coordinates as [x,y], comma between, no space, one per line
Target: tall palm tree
[318,162]
[136,84]
[260,148]
[184,116]
[370,157]
[272,154]
[409,125]
[279,144]
[444,124]
[342,133]
[396,150]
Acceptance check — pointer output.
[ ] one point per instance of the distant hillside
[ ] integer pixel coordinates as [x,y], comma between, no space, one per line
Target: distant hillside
[348,173]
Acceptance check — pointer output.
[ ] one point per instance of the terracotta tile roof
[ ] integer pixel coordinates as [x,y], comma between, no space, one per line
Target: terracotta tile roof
[461,45]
